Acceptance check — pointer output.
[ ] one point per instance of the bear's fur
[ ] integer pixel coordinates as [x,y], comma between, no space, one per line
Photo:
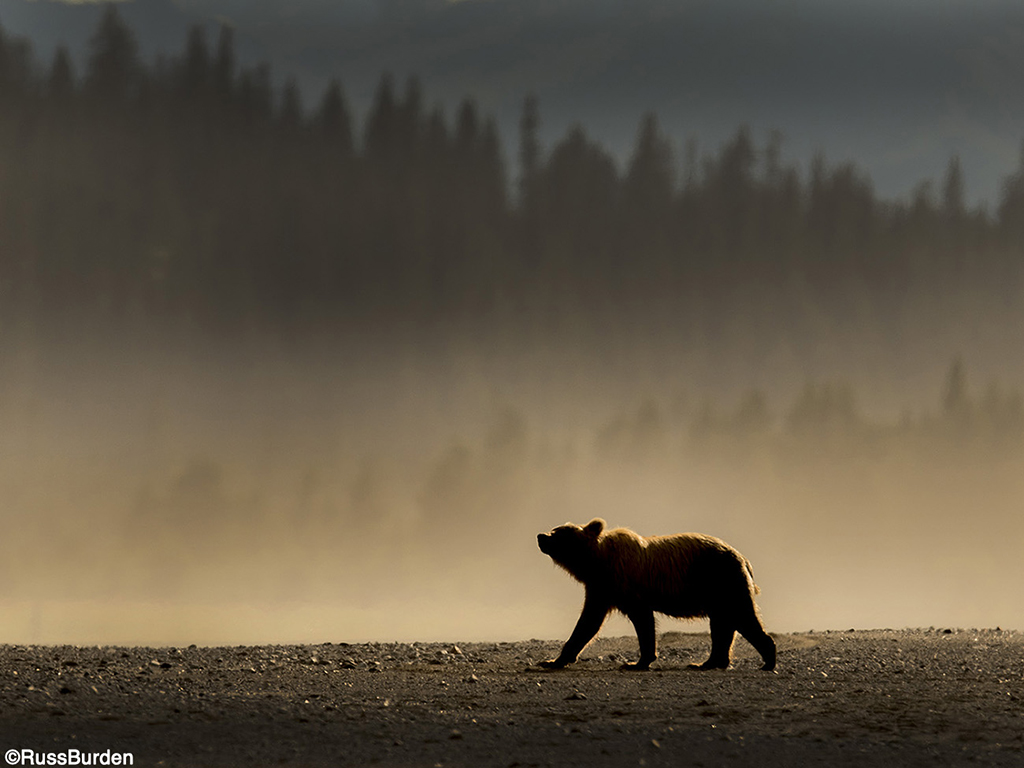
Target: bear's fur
[688,575]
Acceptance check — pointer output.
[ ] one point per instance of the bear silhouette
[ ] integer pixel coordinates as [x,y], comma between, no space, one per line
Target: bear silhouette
[686,575]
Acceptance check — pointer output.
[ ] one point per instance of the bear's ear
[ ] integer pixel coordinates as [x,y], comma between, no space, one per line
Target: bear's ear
[594,527]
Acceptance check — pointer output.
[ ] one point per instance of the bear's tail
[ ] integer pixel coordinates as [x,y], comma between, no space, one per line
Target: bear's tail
[750,576]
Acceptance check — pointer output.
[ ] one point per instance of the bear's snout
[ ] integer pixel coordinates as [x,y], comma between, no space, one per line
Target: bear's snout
[542,540]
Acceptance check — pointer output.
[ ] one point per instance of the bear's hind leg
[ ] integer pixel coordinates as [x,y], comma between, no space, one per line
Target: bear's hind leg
[722,634]
[753,631]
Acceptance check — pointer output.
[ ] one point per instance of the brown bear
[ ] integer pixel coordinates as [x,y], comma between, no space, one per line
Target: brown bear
[688,575]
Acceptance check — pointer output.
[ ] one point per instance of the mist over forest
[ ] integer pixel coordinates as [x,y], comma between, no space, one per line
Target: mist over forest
[267,374]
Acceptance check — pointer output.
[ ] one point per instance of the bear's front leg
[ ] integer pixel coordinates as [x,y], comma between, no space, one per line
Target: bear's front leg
[643,622]
[588,625]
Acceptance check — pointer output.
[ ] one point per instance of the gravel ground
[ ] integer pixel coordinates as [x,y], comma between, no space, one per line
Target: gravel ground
[895,698]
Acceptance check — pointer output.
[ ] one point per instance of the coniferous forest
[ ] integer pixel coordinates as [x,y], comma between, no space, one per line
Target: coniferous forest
[191,192]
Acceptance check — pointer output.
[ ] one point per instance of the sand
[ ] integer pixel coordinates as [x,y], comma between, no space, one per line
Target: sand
[881,697]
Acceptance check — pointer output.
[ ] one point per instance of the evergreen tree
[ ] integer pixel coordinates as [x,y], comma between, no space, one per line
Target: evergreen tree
[840,225]
[780,219]
[196,69]
[467,129]
[466,155]
[733,199]
[60,84]
[1011,207]
[491,169]
[648,187]
[409,123]
[529,156]
[649,182]
[953,191]
[956,401]
[957,408]
[954,223]
[381,123]
[255,95]
[582,190]
[224,64]
[16,68]
[113,69]
[290,115]
[333,120]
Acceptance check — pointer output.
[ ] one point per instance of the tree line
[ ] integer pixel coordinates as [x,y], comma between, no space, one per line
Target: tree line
[824,419]
[191,190]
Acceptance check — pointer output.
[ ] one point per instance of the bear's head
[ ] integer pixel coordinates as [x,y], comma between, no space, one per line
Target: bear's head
[571,546]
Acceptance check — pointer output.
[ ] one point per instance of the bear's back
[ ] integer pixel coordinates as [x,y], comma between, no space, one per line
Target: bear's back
[671,574]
